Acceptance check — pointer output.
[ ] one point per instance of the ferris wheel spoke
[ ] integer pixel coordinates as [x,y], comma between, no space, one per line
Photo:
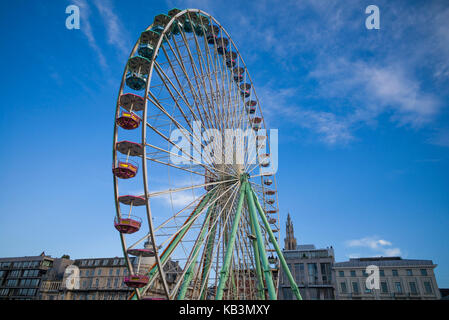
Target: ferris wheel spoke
[180,61]
[196,76]
[163,75]
[176,146]
[216,250]
[182,231]
[159,193]
[183,130]
[208,74]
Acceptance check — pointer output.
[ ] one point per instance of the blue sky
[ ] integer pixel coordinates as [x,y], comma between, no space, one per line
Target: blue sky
[362,117]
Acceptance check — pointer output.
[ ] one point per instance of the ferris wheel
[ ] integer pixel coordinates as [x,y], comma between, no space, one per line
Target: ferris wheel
[191,225]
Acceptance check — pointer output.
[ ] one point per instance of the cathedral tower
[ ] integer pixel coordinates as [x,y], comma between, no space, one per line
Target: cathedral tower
[290,240]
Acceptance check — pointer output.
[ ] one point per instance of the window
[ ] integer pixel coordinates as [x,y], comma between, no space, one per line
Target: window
[313,272]
[116,282]
[395,273]
[14,273]
[47,263]
[97,282]
[424,272]
[83,263]
[99,272]
[297,273]
[12,283]
[413,289]
[341,273]
[105,262]
[326,273]
[343,288]
[428,287]
[384,287]
[115,262]
[382,272]
[109,283]
[4,292]
[355,287]
[353,274]
[110,272]
[409,272]
[90,263]
[398,287]
[117,273]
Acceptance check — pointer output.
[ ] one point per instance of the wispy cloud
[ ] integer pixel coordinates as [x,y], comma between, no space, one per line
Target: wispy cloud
[376,246]
[440,137]
[374,90]
[278,107]
[86,28]
[356,77]
[114,29]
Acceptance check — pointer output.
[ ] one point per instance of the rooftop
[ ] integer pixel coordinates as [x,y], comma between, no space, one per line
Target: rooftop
[383,261]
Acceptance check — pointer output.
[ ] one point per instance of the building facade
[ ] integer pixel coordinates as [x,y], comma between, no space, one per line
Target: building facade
[312,271]
[399,279]
[310,267]
[99,279]
[25,278]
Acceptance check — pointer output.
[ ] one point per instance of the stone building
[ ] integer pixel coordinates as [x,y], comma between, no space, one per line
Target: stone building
[26,278]
[311,268]
[399,279]
[99,279]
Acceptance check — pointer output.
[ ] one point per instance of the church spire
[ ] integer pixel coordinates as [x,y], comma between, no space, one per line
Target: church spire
[290,240]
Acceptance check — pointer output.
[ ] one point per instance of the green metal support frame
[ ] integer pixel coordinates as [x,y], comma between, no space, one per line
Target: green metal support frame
[277,248]
[178,238]
[208,258]
[260,243]
[260,282]
[189,274]
[224,273]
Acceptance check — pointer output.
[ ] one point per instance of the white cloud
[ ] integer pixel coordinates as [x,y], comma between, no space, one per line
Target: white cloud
[376,245]
[114,28]
[86,28]
[440,137]
[374,90]
[361,76]
[278,107]
[179,199]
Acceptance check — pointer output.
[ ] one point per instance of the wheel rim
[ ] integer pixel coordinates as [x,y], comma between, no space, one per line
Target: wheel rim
[191,80]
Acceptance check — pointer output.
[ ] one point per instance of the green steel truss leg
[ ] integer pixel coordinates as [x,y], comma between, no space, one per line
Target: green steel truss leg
[208,258]
[260,282]
[178,238]
[224,273]
[189,274]
[277,248]
[260,243]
